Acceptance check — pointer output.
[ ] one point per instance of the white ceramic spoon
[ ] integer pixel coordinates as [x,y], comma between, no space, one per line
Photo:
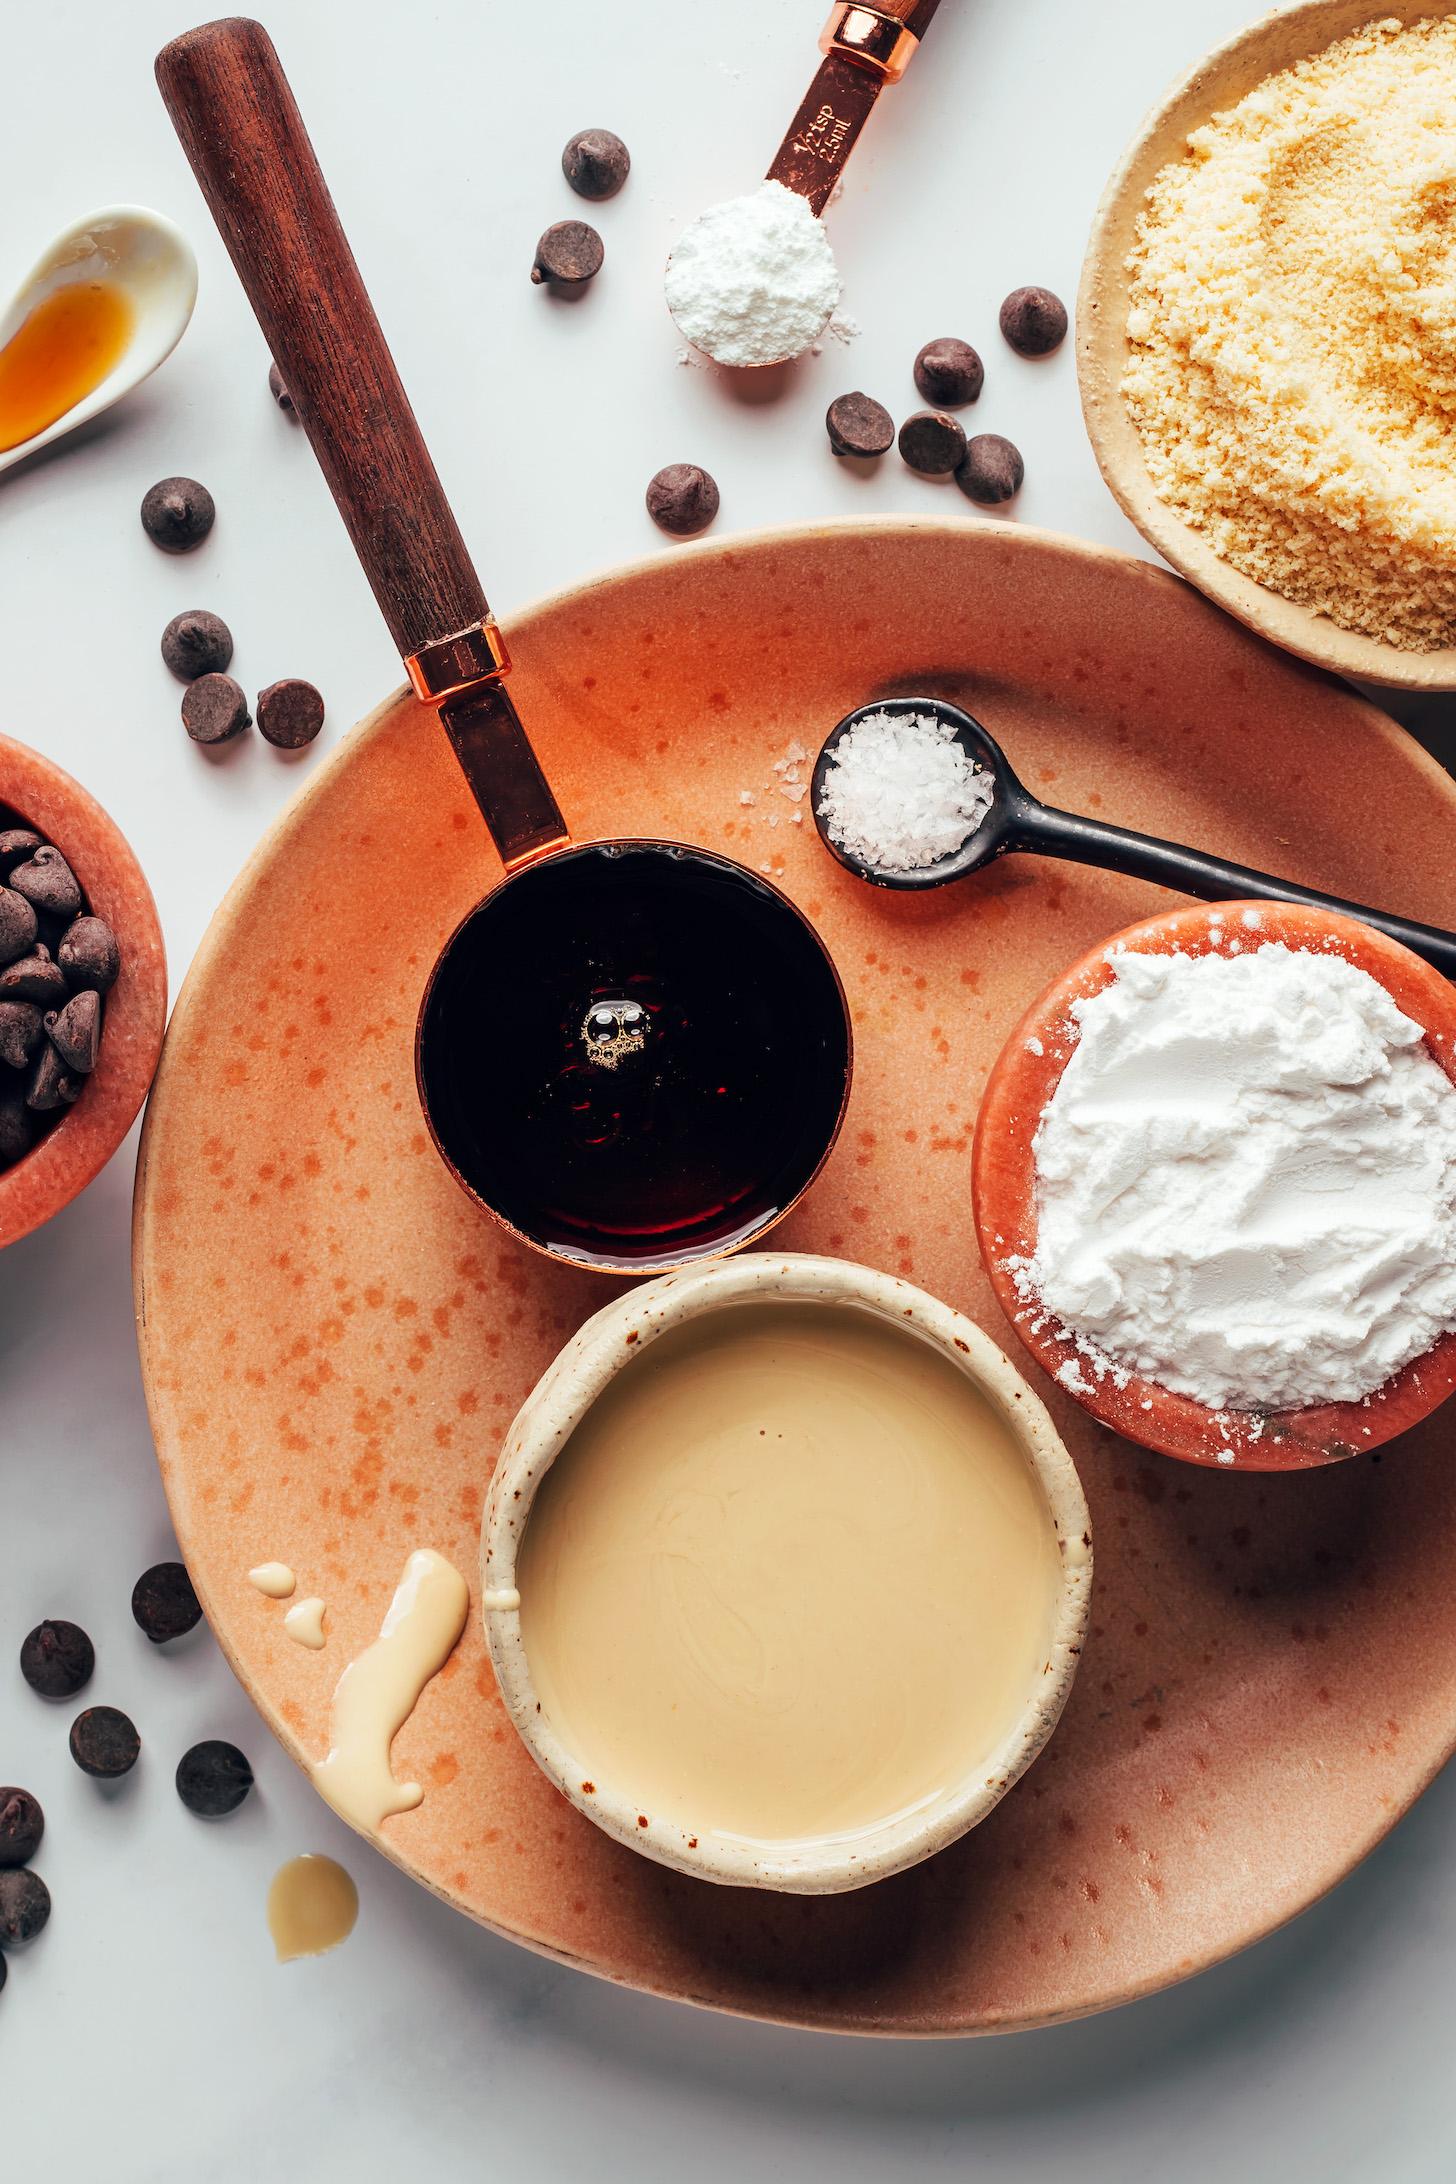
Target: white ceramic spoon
[137,251]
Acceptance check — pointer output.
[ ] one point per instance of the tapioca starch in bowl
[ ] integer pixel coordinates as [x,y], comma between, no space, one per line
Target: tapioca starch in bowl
[1291,367]
[1245,1182]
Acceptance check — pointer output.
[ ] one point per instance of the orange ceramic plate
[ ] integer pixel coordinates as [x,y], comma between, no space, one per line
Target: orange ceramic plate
[333,1340]
[1004,1183]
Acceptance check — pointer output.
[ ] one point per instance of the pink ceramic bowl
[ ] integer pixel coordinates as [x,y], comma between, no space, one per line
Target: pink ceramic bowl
[67,1158]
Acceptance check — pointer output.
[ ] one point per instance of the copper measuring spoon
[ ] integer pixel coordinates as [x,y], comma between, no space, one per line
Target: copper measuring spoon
[1018,821]
[864,49]
[627,1158]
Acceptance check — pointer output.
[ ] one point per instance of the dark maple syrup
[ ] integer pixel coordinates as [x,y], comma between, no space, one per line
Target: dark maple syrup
[635,1053]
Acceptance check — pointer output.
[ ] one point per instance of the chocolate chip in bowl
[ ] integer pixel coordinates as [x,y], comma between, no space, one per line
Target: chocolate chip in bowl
[82,989]
[1268,1283]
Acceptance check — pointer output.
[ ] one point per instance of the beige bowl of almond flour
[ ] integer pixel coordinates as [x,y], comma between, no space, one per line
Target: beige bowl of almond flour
[1266,335]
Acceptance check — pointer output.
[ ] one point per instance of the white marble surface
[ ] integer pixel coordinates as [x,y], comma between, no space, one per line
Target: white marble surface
[151,2021]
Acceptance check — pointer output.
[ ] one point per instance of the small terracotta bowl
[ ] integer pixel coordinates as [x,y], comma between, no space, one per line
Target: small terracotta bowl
[612,1342]
[65,1160]
[1023,1079]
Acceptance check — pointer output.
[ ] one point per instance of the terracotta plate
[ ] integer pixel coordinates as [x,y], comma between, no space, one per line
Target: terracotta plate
[334,1340]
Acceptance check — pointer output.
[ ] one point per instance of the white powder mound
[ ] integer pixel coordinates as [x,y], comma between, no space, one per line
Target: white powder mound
[753,280]
[900,793]
[1246,1181]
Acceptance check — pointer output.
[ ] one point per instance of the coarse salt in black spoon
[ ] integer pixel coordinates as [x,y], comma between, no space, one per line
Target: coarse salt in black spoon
[1016,820]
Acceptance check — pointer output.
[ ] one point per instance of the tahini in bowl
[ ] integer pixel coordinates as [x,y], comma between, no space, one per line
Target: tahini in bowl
[615,1342]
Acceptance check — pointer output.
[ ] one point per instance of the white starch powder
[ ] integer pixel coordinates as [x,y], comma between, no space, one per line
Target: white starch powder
[1246,1181]
[753,280]
[900,793]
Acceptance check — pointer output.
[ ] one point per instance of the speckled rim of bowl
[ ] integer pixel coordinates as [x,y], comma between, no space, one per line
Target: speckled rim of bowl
[58,1169]
[610,1342]
[1219,81]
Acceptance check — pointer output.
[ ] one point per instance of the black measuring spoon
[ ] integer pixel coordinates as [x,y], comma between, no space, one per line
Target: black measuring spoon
[1017,820]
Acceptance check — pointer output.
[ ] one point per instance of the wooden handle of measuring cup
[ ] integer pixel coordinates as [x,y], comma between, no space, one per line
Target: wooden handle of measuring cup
[231,105]
[242,132]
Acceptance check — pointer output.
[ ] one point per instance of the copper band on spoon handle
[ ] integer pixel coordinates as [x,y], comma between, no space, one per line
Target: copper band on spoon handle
[240,127]
[865,48]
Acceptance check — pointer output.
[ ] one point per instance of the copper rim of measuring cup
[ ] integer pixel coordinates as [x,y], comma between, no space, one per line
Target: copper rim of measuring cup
[655,1264]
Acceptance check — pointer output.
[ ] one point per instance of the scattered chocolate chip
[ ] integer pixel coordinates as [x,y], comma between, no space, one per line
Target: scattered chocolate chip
[279,391]
[214,709]
[25,1905]
[992,470]
[1034,321]
[932,443]
[4,1971]
[57,1659]
[213,1778]
[949,373]
[18,926]
[16,1128]
[88,955]
[51,1084]
[177,514]
[569,253]
[596,163]
[104,1742]
[290,714]
[48,883]
[34,978]
[21,1028]
[22,1824]
[196,643]
[164,1603]
[15,843]
[859,425]
[682,498]
[75,1031]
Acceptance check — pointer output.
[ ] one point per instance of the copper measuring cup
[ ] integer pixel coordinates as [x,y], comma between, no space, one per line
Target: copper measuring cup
[665,1058]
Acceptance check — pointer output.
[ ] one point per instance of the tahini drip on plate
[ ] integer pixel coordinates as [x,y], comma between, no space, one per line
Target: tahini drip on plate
[613,1133]
[1019,821]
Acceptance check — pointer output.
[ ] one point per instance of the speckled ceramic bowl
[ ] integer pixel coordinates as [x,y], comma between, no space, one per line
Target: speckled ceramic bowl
[57,1169]
[1024,1078]
[611,1342]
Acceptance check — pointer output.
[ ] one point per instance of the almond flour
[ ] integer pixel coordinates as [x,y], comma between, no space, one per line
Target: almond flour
[1292,333]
